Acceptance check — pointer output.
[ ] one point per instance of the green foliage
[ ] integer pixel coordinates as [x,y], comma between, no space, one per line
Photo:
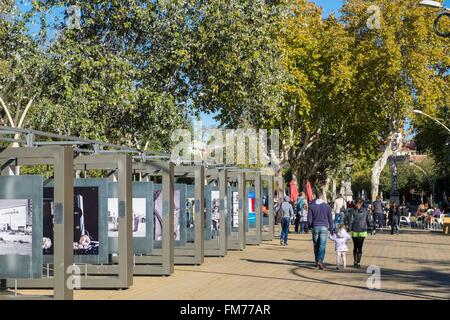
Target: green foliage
[410,178]
[118,78]
[137,69]
[435,139]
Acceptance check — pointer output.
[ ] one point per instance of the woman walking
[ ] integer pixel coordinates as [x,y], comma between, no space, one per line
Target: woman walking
[394,217]
[359,223]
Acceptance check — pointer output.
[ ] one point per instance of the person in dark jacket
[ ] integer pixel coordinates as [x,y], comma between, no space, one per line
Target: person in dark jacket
[321,221]
[394,217]
[377,206]
[360,221]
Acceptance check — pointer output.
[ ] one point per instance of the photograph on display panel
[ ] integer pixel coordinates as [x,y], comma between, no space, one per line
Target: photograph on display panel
[157,215]
[21,227]
[142,217]
[235,209]
[190,227]
[251,208]
[215,215]
[85,221]
[16,227]
[139,218]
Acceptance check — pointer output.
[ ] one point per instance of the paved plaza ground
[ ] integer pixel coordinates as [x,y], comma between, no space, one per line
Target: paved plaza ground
[414,265]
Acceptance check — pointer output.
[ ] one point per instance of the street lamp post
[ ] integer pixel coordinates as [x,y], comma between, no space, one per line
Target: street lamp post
[394,195]
[431,181]
[445,12]
[432,118]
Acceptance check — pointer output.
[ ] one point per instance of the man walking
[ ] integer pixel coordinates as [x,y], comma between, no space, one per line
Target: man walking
[321,221]
[287,212]
[378,214]
[339,208]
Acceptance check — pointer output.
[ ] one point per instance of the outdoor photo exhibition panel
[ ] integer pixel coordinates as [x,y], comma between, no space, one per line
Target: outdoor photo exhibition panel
[212,207]
[268,208]
[232,210]
[192,252]
[21,227]
[98,276]
[236,240]
[90,239]
[161,261]
[254,209]
[216,206]
[190,210]
[179,215]
[142,217]
[61,158]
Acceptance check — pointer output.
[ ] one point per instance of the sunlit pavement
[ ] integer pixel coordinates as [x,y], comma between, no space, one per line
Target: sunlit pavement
[413,265]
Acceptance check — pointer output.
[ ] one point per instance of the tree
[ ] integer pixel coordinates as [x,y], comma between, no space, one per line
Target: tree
[434,139]
[22,69]
[234,66]
[400,66]
[118,77]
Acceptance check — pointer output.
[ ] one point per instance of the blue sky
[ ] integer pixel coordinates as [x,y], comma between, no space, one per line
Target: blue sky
[329,6]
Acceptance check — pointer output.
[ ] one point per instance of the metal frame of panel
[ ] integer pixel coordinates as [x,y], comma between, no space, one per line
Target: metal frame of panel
[162,262]
[269,236]
[194,254]
[62,160]
[255,239]
[239,242]
[120,275]
[219,247]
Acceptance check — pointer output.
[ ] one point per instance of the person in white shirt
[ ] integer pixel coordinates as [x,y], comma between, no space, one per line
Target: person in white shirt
[340,238]
[339,208]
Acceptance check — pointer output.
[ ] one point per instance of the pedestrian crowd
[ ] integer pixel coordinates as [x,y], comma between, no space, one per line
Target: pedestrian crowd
[342,221]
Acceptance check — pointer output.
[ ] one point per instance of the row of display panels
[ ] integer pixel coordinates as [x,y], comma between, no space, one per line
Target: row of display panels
[27,215]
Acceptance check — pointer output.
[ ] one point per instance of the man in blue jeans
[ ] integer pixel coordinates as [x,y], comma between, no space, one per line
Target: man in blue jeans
[287,211]
[321,221]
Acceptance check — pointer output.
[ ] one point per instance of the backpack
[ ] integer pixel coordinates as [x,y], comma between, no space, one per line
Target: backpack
[299,205]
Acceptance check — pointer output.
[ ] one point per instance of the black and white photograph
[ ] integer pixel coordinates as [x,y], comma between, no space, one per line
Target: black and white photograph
[190,209]
[215,216]
[157,215]
[139,217]
[235,209]
[85,221]
[16,227]
[190,226]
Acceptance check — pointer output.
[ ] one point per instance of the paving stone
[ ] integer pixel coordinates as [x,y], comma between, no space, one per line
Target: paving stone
[414,265]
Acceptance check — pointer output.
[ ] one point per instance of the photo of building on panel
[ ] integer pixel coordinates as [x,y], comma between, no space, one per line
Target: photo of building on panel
[16,227]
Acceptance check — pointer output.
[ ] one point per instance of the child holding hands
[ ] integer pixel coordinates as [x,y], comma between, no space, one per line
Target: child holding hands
[340,238]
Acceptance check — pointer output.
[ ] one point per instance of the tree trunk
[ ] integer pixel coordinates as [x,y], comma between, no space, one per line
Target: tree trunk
[346,190]
[378,168]
[325,189]
[297,176]
[333,189]
[280,185]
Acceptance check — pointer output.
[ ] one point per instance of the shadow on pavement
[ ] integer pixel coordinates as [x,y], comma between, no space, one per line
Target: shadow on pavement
[426,279]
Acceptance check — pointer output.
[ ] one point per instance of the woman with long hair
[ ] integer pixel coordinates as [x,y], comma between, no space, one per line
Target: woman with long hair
[359,224]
